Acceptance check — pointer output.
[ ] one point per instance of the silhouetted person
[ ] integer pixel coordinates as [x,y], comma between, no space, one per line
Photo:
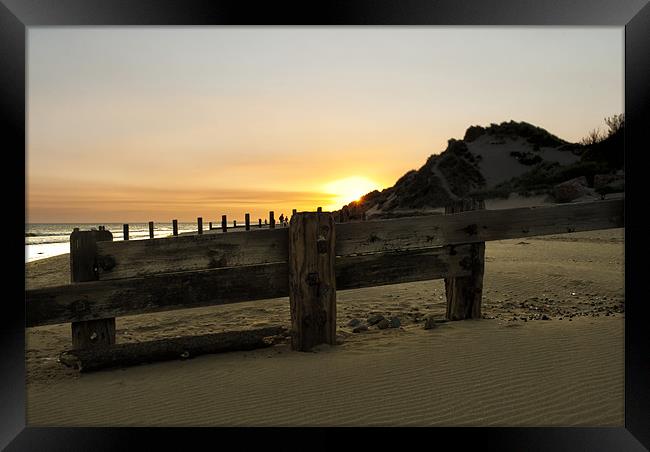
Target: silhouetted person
[281,219]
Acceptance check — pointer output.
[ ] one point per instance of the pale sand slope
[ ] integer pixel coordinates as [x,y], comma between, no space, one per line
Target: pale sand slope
[487,372]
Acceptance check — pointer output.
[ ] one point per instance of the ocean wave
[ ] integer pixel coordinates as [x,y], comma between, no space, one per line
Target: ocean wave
[47,241]
[45,234]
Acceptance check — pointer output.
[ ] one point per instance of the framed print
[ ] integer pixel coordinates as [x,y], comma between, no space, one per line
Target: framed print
[358,214]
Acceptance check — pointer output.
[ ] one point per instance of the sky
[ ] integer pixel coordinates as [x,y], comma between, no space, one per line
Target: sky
[135,124]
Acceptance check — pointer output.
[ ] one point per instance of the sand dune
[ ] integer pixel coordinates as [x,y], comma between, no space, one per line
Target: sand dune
[502,370]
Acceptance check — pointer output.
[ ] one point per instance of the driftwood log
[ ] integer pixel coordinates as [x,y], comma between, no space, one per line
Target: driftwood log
[129,354]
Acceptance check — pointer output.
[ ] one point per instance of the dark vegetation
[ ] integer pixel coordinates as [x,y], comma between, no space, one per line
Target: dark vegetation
[536,136]
[601,153]
[460,169]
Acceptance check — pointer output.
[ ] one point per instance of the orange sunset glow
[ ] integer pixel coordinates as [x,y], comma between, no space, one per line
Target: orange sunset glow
[150,124]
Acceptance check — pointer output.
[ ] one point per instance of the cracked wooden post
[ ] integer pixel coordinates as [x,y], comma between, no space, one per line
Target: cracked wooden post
[312,284]
[464,293]
[84,267]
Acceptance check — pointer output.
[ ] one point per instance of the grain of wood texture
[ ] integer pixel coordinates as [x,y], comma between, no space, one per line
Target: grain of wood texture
[465,293]
[83,268]
[171,291]
[91,333]
[163,292]
[191,252]
[138,258]
[312,280]
[402,266]
[120,355]
[477,226]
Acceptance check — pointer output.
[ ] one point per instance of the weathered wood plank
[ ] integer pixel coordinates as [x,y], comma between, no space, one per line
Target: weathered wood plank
[164,292]
[465,293]
[139,258]
[477,226]
[191,252]
[170,291]
[398,267]
[312,280]
[120,355]
[83,267]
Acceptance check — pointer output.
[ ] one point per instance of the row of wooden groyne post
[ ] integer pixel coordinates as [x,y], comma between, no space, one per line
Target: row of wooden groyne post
[270,223]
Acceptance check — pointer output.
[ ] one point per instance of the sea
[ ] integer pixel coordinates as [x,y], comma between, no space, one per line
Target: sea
[44,240]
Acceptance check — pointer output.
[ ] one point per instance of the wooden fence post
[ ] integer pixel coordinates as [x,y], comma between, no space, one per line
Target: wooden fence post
[83,267]
[151,229]
[248,221]
[272,220]
[312,284]
[224,223]
[125,231]
[259,223]
[199,222]
[464,293]
[210,225]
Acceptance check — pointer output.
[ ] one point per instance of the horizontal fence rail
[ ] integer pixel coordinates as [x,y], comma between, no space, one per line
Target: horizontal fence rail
[201,252]
[476,226]
[170,291]
[118,260]
[154,275]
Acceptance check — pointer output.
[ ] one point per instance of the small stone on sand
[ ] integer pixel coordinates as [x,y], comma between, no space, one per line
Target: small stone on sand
[429,323]
[383,324]
[360,328]
[372,320]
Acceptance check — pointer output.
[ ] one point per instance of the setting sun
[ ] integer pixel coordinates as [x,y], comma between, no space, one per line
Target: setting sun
[344,191]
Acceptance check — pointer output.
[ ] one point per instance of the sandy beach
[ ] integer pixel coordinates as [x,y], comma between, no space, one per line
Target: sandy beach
[548,352]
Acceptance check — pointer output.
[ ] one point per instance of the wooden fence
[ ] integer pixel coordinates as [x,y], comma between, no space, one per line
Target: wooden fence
[308,261]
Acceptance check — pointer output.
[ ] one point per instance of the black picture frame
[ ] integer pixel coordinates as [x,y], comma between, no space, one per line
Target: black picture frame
[634,15]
